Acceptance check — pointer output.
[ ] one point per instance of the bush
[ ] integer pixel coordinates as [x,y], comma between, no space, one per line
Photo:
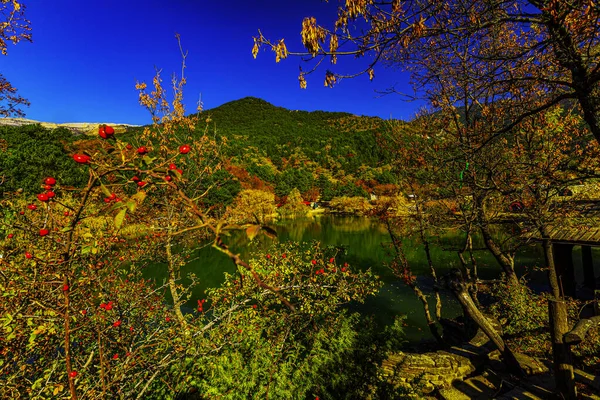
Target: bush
[252,206]
[351,205]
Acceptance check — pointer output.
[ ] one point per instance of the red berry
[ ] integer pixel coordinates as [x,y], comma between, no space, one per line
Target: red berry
[50,181]
[50,194]
[180,171]
[44,232]
[28,255]
[117,323]
[268,256]
[172,166]
[73,374]
[10,235]
[112,196]
[32,206]
[283,255]
[142,150]
[43,197]
[65,287]
[22,212]
[115,356]
[129,146]
[102,133]
[184,149]
[135,179]
[81,158]
[66,213]
[47,187]
[314,262]
[109,130]
[107,199]
[331,260]
[168,178]
[142,183]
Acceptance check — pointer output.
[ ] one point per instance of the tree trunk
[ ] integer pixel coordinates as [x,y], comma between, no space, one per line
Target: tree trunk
[436,290]
[563,364]
[559,325]
[459,288]
[173,276]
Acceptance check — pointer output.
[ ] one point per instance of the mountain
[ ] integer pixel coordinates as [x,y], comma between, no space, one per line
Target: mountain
[326,138]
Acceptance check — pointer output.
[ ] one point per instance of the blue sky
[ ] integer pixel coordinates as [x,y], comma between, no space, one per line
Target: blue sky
[87,55]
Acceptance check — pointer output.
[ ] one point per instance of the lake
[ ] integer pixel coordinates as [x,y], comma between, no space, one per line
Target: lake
[362,239]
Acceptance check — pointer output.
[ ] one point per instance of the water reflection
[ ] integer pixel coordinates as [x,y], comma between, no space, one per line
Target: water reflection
[362,240]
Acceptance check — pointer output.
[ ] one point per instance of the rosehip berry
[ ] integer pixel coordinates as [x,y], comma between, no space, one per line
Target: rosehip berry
[44,232]
[115,356]
[32,206]
[135,179]
[112,196]
[172,166]
[43,197]
[73,374]
[22,212]
[184,149]
[180,171]
[129,146]
[109,130]
[28,255]
[168,178]
[142,150]
[10,235]
[142,183]
[50,181]
[66,213]
[50,194]
[107,199]
[65,287]
[268,256]
[47,187]
[331,260]
[81,158]
[314,262]
[117,323]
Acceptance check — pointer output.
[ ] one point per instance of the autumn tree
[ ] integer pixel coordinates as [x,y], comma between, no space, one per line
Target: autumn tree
[13,29]
[545,48]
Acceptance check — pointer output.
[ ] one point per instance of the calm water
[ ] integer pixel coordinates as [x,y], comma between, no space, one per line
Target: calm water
[362,238]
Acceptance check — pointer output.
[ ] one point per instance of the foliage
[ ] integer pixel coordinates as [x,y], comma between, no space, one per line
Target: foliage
[294,205]
[30,153]
[351,205]
[252,206]
[293,178]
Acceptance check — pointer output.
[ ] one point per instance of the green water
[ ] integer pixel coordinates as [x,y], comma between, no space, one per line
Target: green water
[362,238]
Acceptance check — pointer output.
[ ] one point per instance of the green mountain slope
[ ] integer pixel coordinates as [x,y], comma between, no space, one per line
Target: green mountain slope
[331,139]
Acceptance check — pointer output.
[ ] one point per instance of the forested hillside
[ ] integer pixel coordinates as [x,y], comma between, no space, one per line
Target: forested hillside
[322,154]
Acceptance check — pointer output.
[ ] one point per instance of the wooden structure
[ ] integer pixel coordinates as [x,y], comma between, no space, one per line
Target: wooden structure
[563,240]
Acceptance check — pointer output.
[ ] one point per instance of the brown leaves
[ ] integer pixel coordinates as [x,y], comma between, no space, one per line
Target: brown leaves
[302,80]
[330,79]
[312,35]
[280,51]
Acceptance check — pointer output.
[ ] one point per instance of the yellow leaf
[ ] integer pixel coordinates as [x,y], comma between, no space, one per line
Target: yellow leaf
[252,231]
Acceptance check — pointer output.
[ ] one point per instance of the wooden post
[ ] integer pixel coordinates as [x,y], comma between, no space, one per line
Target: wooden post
[563,259]
[589,280]
[563,364]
